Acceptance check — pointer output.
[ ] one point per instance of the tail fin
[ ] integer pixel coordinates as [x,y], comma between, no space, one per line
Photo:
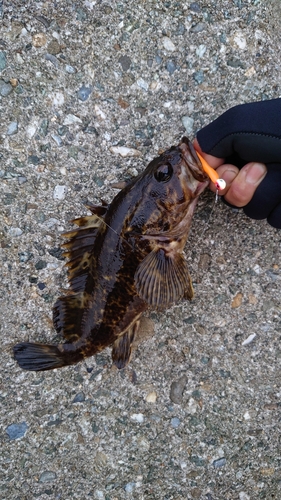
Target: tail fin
[36,357]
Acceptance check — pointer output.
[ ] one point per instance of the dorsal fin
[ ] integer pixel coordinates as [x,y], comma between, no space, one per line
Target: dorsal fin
[79,248]
[68,310]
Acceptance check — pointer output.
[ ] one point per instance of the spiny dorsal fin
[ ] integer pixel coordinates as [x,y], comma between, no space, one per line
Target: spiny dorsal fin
[162,279]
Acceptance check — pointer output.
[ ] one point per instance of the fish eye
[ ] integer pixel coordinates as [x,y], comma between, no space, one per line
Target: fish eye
[164,173]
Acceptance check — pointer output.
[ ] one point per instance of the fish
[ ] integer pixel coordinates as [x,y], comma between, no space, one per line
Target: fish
[123,260]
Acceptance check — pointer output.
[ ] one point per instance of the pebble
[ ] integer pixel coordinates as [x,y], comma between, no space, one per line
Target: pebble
[69,69]
[39,40]
[12,128]
[57,99]
[99,495]
[14,231]
[52,59]
[57,139]
[151,397]
[198,76]
[237,300]
[244,496]
[54,47]
[71,119]
[47,476]
[219,463]
[84,93]
[168,44]
[175,421]
[99,112]
[22,179]
[16,431]
[31,129]
[59,192]
[188,124]
[3,60]
[79,398]
[129,487]
[143,84]
[198,28]
[137,417]
[123,151]
[171,67]
[249,339]
[5,88]
[125,62]
[177,388]
[200,51]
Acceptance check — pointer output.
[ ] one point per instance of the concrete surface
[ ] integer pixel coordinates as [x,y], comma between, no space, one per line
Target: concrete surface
[78,77]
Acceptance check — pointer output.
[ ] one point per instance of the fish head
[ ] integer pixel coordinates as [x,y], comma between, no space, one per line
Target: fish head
[171,186]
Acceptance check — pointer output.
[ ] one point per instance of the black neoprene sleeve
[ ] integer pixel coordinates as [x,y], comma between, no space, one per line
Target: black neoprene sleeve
[251,132]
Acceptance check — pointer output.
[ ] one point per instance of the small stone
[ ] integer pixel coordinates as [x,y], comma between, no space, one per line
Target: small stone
[177,388]
[35,160]
[200,51]
[47,476]
[31,129]
[219,463]
[14,82]
[99,495]
[3,60]
[125,62]
[22,179]
[250,72]
[41,264]
[43,128]
[71,119]
[59,192]
[57,139]
[195,7]
[168,44]
[101,459]
[151,397]
[244,496]
[57,99]
[5,88]
[249,339]
[12,128]
[14,231]
[16,431]
[129,487]
[188,124]
[237,300]
[142,84]
[171,67]
[137,417]
[240,41]
[198,76]
[39,40]
[175,422]
[52,59]
[79,398]
[124,152]
[69,69]
[84,93]
[198,28]
[54,47]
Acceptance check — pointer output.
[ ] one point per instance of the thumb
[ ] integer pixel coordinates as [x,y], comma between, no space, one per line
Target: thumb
[243,186]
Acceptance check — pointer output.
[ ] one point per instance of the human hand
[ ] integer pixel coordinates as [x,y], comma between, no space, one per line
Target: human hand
[243,133]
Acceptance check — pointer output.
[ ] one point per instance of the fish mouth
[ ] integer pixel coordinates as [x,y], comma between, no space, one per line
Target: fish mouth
[193,163]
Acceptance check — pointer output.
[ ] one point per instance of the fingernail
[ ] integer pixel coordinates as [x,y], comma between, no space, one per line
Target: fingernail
[255,172]
[229,176]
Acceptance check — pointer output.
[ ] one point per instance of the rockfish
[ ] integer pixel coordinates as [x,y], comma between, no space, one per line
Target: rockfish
[124,259]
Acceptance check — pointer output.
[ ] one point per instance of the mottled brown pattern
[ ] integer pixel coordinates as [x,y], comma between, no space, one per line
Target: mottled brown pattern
[123,259]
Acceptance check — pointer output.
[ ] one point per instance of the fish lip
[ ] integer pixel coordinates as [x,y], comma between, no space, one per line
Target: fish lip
[192,161]
[201,187]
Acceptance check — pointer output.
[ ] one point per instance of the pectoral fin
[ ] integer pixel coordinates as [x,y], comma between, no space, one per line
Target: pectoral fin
[162,279]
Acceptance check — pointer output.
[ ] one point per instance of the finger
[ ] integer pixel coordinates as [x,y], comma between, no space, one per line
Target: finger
[212,160]
[243,186]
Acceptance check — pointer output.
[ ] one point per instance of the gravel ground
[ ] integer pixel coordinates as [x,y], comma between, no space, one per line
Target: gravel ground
[196,415]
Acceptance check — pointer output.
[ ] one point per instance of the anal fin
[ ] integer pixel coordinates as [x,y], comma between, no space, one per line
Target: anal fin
[122,347]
